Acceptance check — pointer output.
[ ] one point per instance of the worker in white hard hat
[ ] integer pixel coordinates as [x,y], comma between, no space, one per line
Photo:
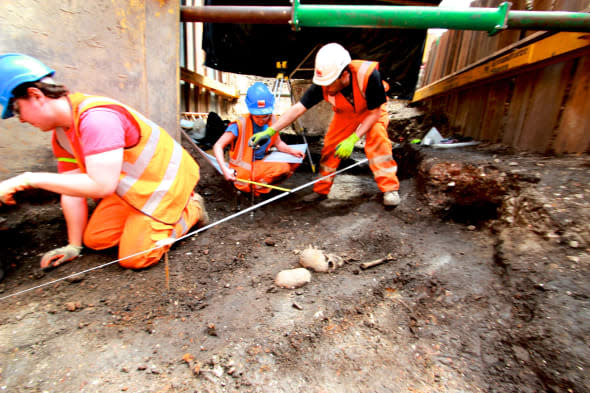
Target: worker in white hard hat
[246,162]
[142,179]
[357,94]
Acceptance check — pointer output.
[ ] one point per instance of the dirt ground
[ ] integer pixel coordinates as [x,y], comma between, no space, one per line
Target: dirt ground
[488,292]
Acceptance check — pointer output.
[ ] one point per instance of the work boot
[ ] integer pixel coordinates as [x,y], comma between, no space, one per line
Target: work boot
[391,198]
[204,219]
[314,197]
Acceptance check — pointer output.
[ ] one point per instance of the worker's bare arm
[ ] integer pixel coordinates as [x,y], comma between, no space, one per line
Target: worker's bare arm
[283,147]
[75,210]
[101,179]
[218,149]
[368,122]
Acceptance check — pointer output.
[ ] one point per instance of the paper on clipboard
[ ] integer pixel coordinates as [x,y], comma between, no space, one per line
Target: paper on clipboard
[277,156]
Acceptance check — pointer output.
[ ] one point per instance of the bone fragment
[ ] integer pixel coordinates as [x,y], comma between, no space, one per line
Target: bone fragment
[377,262]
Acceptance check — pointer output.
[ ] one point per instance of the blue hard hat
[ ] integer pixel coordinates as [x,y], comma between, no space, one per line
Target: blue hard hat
[259,99]
[16,69]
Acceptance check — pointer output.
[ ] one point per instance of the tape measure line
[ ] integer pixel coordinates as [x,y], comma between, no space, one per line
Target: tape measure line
[225,219]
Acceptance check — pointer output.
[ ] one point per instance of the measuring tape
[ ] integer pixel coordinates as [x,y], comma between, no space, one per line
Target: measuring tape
[172,241]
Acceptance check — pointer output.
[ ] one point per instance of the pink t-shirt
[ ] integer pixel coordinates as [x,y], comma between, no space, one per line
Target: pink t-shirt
[105,129]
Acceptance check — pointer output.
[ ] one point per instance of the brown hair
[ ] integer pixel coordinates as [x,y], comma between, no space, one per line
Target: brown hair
[49,89]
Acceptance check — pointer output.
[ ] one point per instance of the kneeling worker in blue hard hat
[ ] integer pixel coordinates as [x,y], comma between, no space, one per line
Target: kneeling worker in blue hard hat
[107,151]
[357,95]
[245,161]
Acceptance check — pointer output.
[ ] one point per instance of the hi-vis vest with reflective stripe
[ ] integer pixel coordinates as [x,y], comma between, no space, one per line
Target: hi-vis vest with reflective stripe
[360,70]
[158,175]
[240,155]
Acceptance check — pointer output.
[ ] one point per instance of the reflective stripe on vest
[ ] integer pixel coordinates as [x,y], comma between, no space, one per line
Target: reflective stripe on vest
[361,76]
[133,171]
[67,159]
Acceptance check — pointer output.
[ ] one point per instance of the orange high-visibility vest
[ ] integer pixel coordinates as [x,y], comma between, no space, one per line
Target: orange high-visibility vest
[62,150]
[158,176]
[360,70]
[240,155]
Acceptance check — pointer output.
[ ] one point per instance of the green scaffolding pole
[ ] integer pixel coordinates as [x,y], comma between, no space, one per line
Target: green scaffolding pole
[491,20]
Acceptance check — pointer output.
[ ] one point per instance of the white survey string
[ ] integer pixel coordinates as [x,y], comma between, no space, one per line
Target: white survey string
[231,217]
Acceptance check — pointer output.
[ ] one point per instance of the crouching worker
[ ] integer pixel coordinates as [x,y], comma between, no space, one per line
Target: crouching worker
[107,151]
[357,95]
[245,161]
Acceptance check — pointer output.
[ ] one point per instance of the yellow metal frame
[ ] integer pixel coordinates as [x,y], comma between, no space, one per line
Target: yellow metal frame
[556,45]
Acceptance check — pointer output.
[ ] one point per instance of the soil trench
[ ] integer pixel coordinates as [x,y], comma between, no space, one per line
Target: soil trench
[488,290]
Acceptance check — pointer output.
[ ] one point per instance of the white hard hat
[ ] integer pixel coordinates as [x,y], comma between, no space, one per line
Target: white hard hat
[330,60]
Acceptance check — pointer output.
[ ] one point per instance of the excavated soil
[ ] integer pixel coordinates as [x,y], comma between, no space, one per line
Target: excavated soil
[488,290]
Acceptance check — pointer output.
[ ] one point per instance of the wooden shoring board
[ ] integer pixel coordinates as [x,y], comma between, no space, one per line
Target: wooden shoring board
[523,87]
[435,104]
[553,48]
[441,54]
[506,38]
[572,5]
[573,133]
[477,106]
[462,113]
[494,117]
[209,84]
[440,103]
[453,104]
[464,51]
[433,56]
[452,52]
[544,106]
[430,64]
[455,59]
[542,5]
[475,52]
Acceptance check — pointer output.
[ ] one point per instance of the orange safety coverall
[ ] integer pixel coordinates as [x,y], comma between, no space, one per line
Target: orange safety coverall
[345,121]
[152,201]
[241,159]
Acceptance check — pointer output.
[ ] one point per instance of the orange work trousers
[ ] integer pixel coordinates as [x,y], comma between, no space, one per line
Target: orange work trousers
[264,172]
[115,222]
[377,148]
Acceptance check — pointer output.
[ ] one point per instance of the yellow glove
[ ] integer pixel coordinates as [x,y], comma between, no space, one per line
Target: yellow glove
[344,148]
[11,186]
[56,257]
[260,138]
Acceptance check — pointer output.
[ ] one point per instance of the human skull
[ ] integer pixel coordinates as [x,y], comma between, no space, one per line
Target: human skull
[316,260]
[293,278]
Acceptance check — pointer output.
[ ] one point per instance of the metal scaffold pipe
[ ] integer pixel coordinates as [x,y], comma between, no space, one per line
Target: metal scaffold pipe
[236,14]
[491,20]
[555,20]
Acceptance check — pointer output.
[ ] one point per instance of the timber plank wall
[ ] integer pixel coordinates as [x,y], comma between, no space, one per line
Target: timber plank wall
[525,89]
